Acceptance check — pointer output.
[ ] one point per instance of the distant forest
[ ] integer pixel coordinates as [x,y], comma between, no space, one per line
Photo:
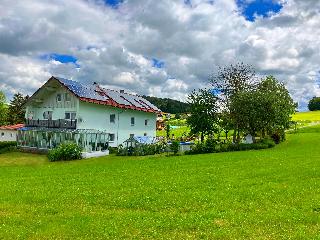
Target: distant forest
[169,105]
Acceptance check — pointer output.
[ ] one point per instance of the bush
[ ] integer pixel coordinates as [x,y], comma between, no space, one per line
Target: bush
[174,147]
[142,149]
[65,152]
[200,148]
[113,150]
[8,146]
[278,136]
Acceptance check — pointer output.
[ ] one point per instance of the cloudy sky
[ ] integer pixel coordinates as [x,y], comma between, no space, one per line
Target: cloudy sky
[163,48]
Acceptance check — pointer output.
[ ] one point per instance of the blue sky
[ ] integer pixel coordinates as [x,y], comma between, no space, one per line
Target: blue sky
[258,7]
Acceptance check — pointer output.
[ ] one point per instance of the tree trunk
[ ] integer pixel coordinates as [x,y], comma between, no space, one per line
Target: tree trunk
[202,137]
[238,136]
[234,136]
[263,133]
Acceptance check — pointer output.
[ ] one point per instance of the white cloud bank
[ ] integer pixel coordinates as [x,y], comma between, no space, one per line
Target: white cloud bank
[116,46]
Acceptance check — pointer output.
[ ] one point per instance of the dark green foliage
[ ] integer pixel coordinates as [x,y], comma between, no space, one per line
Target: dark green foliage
[174,147]
[204,118]
[314,104]
[169,105]
[7,146]
[113,150]
[16,110]
[3,109]
[65,152]
[208,147]
[278,136]
[168,128]
[142,149]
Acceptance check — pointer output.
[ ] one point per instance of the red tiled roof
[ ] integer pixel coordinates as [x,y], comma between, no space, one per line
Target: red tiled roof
[12,127]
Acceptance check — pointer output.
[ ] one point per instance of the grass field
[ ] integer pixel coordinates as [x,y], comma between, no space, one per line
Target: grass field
[307,116]
[266,194]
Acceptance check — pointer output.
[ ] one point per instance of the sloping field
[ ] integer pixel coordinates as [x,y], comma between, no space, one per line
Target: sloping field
[307,116]
[266,194]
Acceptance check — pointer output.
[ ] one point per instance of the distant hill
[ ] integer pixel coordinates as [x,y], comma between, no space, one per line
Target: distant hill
[169,105]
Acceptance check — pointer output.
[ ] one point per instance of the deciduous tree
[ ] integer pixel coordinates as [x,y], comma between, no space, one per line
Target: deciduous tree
[203,108]
[314,104]
[229,81]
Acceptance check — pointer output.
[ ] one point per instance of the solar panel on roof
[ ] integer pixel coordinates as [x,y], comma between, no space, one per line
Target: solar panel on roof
[89,91]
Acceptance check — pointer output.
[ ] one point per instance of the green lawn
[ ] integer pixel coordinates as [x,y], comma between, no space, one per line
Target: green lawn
[266,194]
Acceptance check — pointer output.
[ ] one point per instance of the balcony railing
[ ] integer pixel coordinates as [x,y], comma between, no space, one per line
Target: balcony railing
[59,123]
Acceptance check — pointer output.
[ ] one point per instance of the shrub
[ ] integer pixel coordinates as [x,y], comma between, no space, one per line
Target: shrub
[174,147]
[278,136]
[113,150]
[7,146]
[200,148]
[210,145]
[65,152]
[142,149]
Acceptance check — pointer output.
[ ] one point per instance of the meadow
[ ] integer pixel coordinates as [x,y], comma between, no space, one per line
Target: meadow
[265,194]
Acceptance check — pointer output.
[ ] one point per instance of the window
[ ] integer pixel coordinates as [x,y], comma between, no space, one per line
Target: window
[111,137]
[59,98]
[132,121]
[146,122]
[70,115]
[47,115]
[11,135]
[67,97]
[112,118]
[2,134]
[145,134]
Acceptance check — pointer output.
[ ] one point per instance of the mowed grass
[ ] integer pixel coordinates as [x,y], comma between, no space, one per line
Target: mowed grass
[266,194]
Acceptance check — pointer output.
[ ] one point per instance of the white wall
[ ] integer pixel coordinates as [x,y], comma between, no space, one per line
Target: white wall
[8,135]
[50,103]
[96,116]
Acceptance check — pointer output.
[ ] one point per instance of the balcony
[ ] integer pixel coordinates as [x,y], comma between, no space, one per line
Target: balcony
[59,123]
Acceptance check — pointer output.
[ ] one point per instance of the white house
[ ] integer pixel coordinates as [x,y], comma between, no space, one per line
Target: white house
[88,114]
[9,133]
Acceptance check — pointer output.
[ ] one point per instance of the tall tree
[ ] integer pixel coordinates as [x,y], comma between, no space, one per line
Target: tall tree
[230,81]
[16,110]
[314,104]
[203,108]
[279,106]
[3,109]
[267,109]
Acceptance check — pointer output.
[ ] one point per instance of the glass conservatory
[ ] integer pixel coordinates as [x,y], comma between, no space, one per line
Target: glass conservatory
[48,138]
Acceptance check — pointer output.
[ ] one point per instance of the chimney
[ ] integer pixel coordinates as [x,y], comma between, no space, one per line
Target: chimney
[121,91]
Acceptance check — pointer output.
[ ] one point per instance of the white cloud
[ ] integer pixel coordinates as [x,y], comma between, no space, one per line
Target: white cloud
[115,46]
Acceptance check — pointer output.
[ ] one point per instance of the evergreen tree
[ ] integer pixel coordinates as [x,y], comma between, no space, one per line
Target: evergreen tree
[3,109]
[16,110]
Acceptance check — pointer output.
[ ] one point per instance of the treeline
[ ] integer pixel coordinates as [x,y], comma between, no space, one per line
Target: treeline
[314,104]
[14,112]
[169,105]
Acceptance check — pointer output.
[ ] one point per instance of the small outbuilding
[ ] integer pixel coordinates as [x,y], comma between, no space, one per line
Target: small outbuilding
[9,132]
